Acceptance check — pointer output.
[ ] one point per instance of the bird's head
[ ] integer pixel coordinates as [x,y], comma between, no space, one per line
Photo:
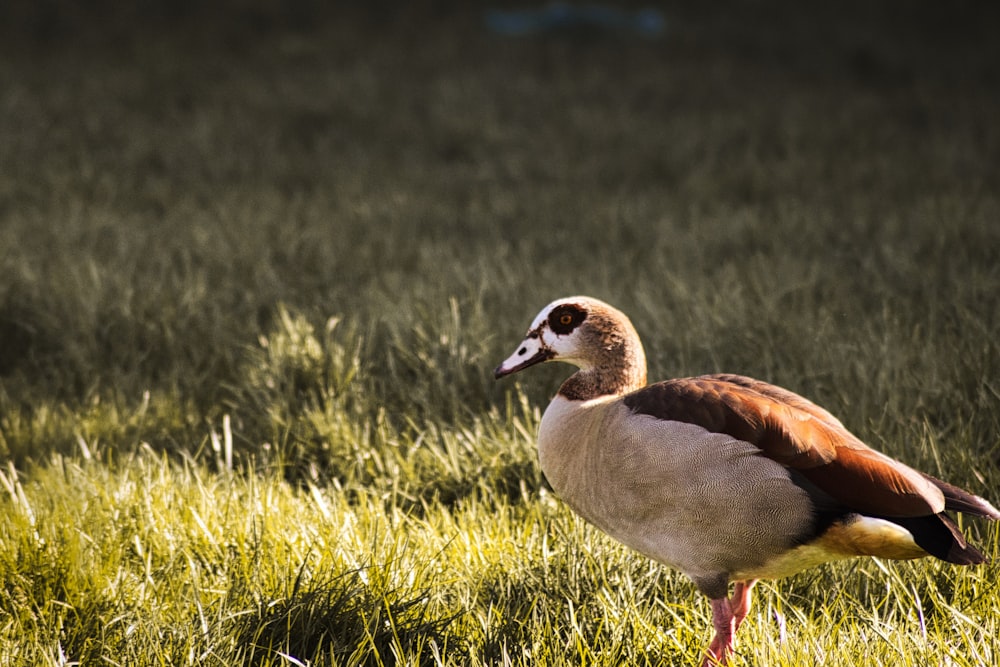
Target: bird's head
[584,332]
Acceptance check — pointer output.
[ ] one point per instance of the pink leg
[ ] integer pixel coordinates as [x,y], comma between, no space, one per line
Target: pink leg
[727,615]
[740,602]
[725,627]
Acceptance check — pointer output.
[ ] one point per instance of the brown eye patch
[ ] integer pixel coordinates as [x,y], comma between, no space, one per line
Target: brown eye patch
[565,318]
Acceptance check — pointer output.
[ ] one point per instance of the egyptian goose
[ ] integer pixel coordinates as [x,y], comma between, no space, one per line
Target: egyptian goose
[725,478]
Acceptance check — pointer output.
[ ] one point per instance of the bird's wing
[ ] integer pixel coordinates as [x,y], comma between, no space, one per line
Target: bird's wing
[798,434]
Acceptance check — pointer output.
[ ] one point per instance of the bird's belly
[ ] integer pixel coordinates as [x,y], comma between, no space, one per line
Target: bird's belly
[786,564]
[701,502]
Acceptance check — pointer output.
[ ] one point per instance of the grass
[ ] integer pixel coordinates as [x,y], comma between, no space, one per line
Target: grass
[256,266]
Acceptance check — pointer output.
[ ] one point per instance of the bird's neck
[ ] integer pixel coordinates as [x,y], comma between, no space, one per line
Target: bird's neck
[620,370]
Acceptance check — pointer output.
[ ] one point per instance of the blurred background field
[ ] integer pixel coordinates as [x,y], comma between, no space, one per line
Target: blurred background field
[257,262]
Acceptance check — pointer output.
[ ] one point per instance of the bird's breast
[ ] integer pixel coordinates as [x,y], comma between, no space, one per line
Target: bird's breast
[692,499]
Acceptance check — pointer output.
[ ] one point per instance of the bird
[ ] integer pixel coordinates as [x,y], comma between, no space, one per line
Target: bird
[726,478]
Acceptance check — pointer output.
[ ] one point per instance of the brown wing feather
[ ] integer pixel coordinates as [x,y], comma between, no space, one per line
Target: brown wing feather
[780,395]
[796,433]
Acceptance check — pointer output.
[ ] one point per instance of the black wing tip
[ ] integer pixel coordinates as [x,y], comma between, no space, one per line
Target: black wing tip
[959,500]
[965,555]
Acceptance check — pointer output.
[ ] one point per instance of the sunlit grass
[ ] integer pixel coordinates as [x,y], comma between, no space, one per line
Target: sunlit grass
[151,560]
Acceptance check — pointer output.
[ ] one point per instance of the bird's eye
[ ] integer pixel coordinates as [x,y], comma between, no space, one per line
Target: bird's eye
[565,318]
